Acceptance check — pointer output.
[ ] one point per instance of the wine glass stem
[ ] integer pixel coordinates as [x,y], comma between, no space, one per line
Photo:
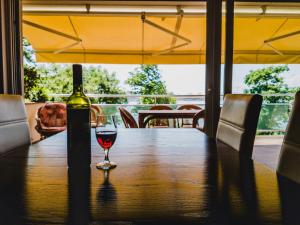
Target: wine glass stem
[106,155]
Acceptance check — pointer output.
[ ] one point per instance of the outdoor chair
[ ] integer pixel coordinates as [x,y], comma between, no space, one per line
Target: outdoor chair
[95,111]
[158,123]
[186,123]
[14,128]
[51,119]
[289,159]
[127,118]
[196,117]
[238,122]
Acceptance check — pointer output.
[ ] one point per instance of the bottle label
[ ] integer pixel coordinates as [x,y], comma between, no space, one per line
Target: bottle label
[79,137]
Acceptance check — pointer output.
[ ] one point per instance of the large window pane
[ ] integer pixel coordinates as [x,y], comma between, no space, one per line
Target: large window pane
[266,58]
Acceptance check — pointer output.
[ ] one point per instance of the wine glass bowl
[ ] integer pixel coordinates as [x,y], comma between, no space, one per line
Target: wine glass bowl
[106,134]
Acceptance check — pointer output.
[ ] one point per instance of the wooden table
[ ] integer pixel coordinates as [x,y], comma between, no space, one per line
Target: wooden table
[164,176]
[164,114]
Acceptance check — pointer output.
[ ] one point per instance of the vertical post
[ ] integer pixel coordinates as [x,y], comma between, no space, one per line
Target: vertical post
[19,66]
[2,55]
[213,65]
[229,47]
[11,70]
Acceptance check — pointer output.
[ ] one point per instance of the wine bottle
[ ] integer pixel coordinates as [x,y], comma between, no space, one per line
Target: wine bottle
[78,123]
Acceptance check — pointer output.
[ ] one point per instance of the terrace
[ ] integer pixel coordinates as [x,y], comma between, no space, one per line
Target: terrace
[72,39]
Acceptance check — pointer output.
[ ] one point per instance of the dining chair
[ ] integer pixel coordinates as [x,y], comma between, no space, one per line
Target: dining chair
[14,128]
[95,111]
[127,118]
[238,122]
[188,106]
[51,119]
[196,117]
[289,159]
[158,123]
[186,123]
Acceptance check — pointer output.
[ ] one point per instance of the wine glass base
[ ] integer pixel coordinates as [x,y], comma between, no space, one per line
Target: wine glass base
[106,165]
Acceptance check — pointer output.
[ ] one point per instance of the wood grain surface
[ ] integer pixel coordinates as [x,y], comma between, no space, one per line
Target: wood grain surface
[164,176]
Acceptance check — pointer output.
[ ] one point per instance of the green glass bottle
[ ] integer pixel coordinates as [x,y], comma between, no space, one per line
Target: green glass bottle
[78,123]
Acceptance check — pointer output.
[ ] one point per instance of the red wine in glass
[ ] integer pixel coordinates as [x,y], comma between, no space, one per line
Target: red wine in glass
[106,134]
[106,138]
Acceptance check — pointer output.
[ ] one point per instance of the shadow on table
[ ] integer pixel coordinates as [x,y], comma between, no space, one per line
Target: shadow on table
[79,183]
[107,195]
[290,200]
[236,197]
[235,189]
[13,187]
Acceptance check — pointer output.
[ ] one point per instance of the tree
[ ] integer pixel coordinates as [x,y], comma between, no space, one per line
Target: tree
[269,81]
[32,90]
[58,80]
[44,79]
[100,81]
[146,80]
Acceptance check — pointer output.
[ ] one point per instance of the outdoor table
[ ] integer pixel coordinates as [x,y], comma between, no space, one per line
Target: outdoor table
[164,114]
[164,176]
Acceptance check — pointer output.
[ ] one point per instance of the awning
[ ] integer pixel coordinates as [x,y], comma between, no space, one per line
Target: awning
[154,37]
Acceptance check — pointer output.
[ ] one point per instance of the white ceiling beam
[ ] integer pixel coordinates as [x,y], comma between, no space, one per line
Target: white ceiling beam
[115,3]
[50,30]
[177,26]
[56,32]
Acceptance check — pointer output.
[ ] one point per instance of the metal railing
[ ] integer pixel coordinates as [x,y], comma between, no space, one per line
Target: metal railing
[273,117]
[136,100]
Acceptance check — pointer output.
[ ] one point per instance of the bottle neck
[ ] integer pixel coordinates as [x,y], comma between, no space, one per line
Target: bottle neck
[77,88]
[77,79]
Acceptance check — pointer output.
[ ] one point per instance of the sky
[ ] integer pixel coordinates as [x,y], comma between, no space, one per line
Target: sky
[190,79]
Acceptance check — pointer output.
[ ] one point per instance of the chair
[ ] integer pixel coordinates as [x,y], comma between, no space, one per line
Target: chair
[14,128]
[95,111]
[51,119]
[127,118]
[158,123]
[188,107]
[186,123]
[238,122]
[289,159]
[196,117]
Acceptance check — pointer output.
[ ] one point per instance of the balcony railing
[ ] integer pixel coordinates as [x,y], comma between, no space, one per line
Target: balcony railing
[273,116]
[136,100]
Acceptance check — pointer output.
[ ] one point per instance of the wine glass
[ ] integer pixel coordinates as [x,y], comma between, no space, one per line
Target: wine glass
[106,134]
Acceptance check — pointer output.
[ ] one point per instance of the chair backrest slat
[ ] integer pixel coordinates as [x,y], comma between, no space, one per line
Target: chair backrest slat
[238,121]
[127,118]
[196,117]
[188,106]
[14,128]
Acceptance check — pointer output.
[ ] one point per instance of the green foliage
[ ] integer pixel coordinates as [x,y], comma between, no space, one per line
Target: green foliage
[58,80]
[146,80]
[28,53]
[100,81]
[33,91]
[294,90]
[42,80]
[268,81]
[275,111]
